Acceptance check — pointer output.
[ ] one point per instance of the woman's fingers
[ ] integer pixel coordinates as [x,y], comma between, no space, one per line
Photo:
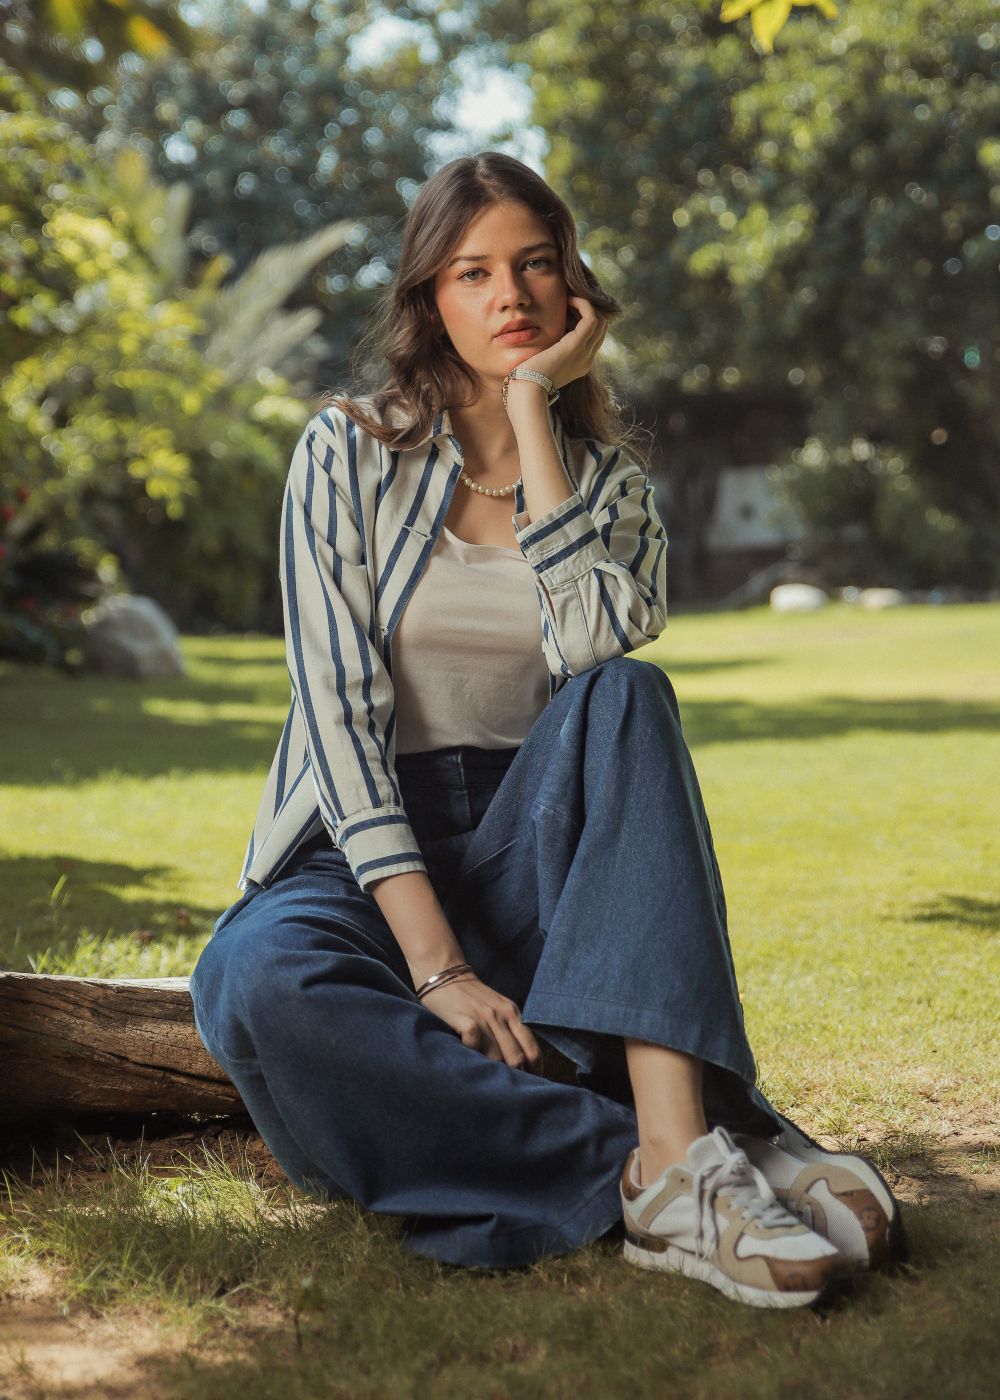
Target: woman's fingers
[518,1046]
[500,1044]
[532,1049]
[593,323]
[487,1022]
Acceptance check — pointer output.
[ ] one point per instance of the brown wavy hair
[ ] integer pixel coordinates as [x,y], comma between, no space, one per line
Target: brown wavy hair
[419,368]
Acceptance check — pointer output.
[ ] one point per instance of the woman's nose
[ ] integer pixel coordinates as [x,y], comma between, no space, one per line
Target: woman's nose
[509,287]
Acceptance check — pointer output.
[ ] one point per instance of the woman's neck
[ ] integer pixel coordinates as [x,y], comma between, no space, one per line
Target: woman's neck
[486,434]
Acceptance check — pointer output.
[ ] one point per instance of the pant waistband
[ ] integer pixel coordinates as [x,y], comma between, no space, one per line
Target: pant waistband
[454,765]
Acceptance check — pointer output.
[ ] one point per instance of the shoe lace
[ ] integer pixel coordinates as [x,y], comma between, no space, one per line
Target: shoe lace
[745,1186]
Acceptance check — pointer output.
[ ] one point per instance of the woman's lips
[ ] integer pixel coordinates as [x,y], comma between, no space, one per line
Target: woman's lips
[518,337]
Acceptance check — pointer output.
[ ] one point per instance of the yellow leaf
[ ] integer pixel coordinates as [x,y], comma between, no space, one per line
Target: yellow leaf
[736,9]
[66,16]
[767,20]
[144,37]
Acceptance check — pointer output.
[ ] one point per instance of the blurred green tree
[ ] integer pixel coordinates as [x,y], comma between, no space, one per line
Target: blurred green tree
[284,120]
[75,43]
[147,422]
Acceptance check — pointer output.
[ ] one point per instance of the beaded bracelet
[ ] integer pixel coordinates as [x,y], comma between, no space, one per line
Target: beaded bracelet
[440,979]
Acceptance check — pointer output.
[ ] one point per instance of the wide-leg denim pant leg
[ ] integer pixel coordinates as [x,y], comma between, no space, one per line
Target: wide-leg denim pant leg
[592,883]
[586,888]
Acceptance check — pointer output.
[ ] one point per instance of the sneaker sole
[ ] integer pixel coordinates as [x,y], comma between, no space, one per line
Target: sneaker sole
[671,1259]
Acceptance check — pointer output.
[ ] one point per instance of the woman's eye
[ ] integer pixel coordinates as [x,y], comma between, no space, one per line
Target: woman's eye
[464,276]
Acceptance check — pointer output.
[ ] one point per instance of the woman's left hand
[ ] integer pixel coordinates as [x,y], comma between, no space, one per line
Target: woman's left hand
[572,356]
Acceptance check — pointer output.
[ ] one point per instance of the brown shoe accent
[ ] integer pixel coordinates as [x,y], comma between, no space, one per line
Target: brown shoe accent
[630,1191]
[804,1275]
[654,1244]
[872,1219]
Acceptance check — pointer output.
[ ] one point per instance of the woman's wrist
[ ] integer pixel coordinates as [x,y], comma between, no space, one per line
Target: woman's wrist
[424,967]
[526,391]
[527,406]
[454,972]
[413,912]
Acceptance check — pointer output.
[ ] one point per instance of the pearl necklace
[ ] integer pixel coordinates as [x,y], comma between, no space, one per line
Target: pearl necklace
[552,393]
[488,490]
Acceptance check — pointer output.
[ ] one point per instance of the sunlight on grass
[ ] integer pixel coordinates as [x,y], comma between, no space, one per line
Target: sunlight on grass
[186,1235]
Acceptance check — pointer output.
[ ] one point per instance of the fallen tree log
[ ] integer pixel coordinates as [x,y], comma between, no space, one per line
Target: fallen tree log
[106,1045]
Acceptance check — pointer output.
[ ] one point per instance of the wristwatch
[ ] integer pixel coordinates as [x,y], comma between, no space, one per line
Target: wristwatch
[518,373]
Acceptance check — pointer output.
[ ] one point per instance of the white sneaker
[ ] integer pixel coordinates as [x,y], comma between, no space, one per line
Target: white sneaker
[715,1218]
[840,1195]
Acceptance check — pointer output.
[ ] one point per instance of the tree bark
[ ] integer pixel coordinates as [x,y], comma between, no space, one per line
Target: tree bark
[99,1044]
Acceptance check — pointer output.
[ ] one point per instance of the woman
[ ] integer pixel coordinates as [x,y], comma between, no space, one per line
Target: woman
[482,821]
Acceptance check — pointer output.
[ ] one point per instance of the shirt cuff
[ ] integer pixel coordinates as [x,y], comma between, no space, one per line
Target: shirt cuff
[377,842]
[561,545]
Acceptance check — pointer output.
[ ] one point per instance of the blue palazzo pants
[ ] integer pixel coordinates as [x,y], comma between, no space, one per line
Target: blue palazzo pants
[578,873]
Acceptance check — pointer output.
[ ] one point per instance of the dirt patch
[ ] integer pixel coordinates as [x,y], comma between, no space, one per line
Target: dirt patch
[46,1351]
[50,1349]
[965,1164]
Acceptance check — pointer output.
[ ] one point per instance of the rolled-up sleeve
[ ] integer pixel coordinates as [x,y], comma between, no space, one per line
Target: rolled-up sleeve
[338,677]
[600,566]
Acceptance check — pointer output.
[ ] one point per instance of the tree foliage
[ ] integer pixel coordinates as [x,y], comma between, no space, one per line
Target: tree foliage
[148,420]
[823,221]
[805,227]
[279,127]
[75,43]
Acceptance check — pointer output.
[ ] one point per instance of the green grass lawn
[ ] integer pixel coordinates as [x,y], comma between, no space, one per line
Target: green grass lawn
[850,763]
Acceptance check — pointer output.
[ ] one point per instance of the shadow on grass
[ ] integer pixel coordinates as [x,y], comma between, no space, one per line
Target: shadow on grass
[545,1330]
[829,716]
[727,663]
[93,726]
[966,911]
[54,918]
[337,1285]
[64,731]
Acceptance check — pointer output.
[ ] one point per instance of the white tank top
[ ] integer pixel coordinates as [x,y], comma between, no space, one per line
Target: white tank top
[467,661]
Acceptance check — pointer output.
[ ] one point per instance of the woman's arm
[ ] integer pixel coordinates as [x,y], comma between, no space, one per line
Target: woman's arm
[601,562]
[345,694]
[413,912]
[340,682]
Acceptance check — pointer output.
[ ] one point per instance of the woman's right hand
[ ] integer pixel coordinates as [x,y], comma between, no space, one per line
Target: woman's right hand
[486,1021]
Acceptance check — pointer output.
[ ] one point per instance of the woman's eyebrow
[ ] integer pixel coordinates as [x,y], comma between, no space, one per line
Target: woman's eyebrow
[481,257]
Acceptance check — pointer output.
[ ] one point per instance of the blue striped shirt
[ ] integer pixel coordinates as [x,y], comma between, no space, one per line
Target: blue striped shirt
[358,524]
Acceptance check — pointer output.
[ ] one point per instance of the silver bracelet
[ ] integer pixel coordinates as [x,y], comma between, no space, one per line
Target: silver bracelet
[440,978]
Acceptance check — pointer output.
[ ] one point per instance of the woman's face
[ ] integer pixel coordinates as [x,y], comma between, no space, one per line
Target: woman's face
[505,268]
